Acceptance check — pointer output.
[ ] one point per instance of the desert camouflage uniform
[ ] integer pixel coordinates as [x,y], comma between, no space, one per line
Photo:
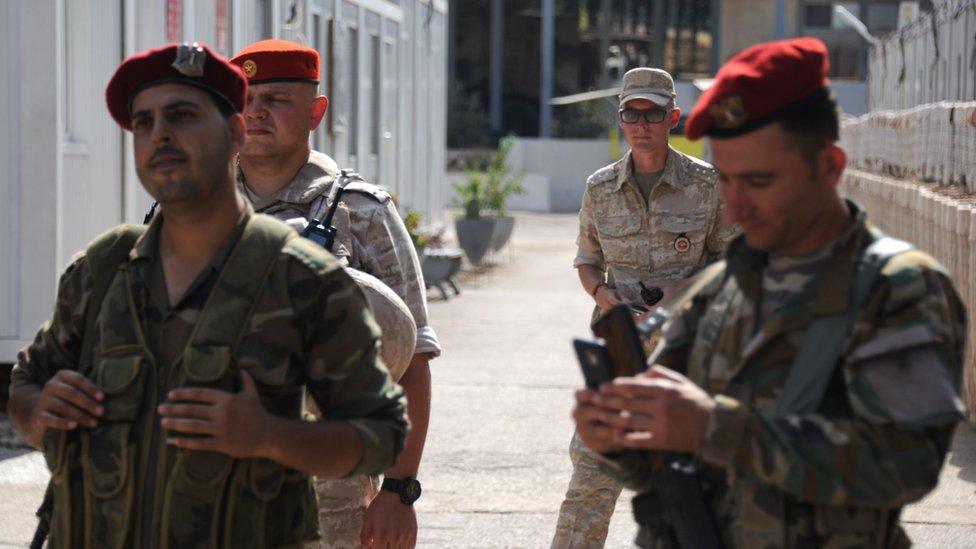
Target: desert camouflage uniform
[370,237]
[637,241]
[310,331]
[838,477]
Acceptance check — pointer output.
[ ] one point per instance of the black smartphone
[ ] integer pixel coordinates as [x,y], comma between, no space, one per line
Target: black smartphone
[594,361]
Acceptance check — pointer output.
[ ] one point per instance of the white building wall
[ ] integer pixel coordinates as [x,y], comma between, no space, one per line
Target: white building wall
[66,169]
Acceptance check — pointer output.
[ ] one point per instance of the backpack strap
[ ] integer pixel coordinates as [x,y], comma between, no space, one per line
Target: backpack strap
[105,254]
[827,335]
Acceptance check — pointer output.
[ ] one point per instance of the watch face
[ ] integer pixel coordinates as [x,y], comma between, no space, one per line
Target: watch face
[409,491]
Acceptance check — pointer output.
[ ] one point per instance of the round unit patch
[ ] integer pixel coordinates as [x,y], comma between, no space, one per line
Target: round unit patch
[250,68]
[682,244]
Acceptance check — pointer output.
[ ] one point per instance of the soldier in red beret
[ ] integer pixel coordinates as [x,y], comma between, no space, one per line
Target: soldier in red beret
[282,176]
[167,389]
[810,389]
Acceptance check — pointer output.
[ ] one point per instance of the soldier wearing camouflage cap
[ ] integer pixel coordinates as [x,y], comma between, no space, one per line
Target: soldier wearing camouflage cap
[167,388]
[814,380]
[647,222]
[282,176]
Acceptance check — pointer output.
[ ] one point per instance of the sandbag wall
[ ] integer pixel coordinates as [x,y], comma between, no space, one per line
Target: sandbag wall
[942,225]
[930,143]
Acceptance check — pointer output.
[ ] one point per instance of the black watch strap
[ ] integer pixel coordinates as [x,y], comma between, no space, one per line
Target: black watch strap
[407,488]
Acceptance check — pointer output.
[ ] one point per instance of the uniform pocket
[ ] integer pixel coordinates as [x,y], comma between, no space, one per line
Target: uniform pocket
[621,225]
[622,241]
[123,379]
[679,241]
[107,456]
[266,477]
[206,365]
[266,507]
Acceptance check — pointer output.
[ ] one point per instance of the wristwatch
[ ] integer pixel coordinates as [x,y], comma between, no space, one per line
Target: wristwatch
[407,488]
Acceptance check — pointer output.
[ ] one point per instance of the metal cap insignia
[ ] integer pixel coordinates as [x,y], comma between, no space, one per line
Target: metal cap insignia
[250,68]
[190,59]
[729,113]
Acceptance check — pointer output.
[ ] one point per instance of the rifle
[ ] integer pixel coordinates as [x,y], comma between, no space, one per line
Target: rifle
[43,520]
[323,232]
[678,495]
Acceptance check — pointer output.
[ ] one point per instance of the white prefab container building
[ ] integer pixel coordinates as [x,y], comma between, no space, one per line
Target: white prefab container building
[66,171]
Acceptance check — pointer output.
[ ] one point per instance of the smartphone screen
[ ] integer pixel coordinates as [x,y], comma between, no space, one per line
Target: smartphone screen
[594,362]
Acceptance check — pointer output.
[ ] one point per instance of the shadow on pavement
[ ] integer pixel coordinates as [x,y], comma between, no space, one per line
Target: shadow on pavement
[964,452]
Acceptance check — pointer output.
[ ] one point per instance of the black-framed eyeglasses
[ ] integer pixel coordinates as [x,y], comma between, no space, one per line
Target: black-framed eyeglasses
[654,116]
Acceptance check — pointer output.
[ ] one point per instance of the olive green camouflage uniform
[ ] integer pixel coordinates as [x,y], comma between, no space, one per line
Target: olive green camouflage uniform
[837,477]
[660,242]
[310,330]
[372,238]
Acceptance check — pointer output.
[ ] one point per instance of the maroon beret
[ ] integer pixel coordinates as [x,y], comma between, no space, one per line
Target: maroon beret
[193,65]
[277,60]
[760,85]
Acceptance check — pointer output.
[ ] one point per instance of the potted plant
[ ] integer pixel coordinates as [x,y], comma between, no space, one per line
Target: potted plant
[501,184]
[487,190]
[437,263]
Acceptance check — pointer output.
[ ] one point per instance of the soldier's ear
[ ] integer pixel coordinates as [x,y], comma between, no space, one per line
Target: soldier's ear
[833,160]
[675,117]
[237,129]
[320,106]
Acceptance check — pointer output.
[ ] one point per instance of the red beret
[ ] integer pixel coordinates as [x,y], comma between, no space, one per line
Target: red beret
[193,65]
[759,85]
[278,61]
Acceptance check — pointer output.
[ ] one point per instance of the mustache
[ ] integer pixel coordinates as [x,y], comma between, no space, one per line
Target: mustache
[166,150]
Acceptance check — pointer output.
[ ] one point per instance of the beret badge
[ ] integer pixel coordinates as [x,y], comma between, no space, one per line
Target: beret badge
[729,113]
[250,68]
[190,59]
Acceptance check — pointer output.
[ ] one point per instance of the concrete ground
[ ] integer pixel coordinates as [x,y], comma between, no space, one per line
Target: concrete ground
[496,464]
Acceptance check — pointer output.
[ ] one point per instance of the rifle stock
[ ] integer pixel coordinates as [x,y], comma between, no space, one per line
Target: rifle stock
[678,495]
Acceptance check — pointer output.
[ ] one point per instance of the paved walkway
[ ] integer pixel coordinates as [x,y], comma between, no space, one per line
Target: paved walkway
[496,464]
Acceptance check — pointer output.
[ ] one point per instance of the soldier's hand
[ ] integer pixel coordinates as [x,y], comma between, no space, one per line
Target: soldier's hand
[66,401]
[607,297]
[657,410]
[389,523]
[229,423]
[591,423]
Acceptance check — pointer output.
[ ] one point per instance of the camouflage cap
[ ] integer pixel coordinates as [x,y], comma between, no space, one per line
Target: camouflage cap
[655,85]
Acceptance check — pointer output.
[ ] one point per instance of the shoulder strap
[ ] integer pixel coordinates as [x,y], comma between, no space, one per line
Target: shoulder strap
[104,256]
[824,341]
[231,303]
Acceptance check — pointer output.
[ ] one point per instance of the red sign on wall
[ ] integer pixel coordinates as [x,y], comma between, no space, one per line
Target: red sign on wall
[174,21]
[223,34]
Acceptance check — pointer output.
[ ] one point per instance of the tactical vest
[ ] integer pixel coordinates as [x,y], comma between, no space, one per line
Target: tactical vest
[205,499]
[770,517]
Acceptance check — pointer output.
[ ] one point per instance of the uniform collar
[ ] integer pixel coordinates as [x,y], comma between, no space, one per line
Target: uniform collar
[147,246]
[833,297]
[311,181]
[674,173]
